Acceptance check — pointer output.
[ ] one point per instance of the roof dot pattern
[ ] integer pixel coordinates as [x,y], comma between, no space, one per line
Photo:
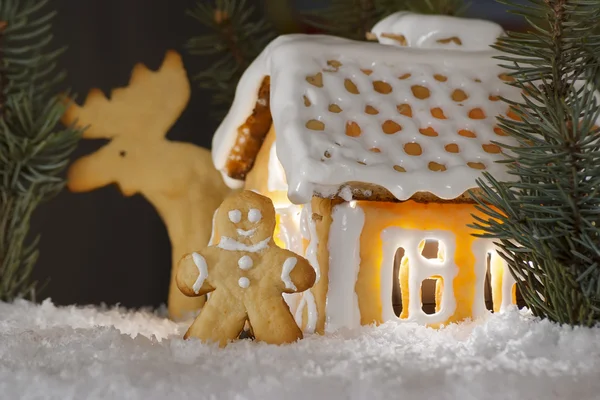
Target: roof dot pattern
[423,119]
[346,111]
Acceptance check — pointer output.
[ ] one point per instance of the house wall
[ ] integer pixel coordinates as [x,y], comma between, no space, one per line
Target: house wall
[390,226]
[357,244]
[265,177]
[353,247]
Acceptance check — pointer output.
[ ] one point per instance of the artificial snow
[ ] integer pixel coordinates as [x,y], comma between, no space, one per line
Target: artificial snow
[49,352]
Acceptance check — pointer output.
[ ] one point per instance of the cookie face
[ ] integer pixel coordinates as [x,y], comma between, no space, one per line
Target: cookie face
[246,218]
[246,274]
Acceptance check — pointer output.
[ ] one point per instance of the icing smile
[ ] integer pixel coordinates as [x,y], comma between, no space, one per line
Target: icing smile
[242,232]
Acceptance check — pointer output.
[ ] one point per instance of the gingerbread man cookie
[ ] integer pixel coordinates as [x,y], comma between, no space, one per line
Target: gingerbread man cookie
[246,274]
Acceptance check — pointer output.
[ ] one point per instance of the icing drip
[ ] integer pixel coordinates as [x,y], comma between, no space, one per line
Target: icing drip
[308,302]
[276,180]
[254,215]
[235,216]
[342,308]
[437,32]
[288,266]
[346,194]
[244,282]
[202,271]
[304,222]
[309,227]
[230,244]
[420,269]
[245,263]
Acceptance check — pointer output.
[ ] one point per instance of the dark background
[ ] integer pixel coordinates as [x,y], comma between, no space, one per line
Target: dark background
[101,247]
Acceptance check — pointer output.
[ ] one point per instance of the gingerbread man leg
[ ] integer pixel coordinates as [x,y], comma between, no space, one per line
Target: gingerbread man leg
[272,321]
[221,320]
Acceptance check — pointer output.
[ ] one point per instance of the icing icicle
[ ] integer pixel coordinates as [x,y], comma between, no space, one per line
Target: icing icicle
[342,308]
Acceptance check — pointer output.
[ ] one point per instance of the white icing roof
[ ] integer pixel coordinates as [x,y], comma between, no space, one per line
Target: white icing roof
[324,89]
[437,31]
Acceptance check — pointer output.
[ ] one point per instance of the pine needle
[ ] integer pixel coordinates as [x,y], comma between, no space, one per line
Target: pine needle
[34,151]
[237,35]
[551,213]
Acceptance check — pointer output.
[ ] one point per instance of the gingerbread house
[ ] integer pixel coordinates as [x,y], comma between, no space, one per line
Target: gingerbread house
[368,151]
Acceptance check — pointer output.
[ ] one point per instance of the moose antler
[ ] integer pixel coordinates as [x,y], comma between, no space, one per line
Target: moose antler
[149,105]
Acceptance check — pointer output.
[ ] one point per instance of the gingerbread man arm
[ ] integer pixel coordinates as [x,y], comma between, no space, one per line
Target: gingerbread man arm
[297,275]
[194,275]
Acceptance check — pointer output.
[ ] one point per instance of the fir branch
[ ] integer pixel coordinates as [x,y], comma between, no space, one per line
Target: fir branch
[237,35]
[547,223]
[354,19]
[351,19]
[33,150]
[443,7]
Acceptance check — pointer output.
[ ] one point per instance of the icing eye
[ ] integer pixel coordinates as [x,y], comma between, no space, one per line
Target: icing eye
[235,216]
[122,153]
[254,215]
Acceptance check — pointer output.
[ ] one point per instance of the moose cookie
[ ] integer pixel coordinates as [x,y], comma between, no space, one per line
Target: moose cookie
[246,274]
[178,178]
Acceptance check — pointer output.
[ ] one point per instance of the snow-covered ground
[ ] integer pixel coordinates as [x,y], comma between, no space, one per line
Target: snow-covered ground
[49,352]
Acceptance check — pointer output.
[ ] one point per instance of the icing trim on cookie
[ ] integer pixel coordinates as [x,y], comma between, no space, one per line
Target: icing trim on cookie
[288,266]
[227,243]
[254,215]
[308,302]
[244,282]
[245,263]
[202,270]
[244,233]
[235,216]
[212,234]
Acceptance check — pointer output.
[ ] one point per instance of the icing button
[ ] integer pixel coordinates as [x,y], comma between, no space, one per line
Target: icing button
[244,282]
[245,263]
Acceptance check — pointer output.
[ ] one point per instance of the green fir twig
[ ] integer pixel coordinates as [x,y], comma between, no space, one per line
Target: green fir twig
[33,150]
[547,223]
[351,19]
[443,7]
[354,19]
[237,34]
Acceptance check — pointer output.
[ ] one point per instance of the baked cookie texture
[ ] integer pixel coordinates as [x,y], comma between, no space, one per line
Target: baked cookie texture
[178,178]
[246,274]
